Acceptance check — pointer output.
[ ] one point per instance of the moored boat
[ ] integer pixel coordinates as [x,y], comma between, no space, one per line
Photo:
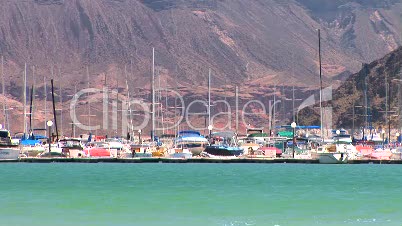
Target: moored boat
[223,150]
[191,140]
[8,150]
[180,153]
[143,150]
[72,148]
[332,157]
[334,153]
[224,144]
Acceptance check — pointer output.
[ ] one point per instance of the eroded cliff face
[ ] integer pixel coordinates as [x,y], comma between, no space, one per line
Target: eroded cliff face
[368,84]
[254,44]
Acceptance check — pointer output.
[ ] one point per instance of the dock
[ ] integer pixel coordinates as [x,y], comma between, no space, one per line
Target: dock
[191,160]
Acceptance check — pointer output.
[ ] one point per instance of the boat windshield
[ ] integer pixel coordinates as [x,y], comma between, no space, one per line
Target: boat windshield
[70,143]
[4,134]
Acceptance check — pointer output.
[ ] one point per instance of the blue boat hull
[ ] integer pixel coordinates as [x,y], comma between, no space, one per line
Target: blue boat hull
[224,151]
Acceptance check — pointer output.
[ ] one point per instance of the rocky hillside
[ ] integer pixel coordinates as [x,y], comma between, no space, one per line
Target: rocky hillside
[370,82]
[251,43]
[378,75]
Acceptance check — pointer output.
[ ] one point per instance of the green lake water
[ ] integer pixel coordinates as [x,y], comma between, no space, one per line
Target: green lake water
[199,194]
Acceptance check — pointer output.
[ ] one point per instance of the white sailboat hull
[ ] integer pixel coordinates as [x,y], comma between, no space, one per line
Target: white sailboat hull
[332,158]
[9,153]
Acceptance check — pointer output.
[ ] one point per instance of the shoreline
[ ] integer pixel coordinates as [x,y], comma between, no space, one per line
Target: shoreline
[191,160]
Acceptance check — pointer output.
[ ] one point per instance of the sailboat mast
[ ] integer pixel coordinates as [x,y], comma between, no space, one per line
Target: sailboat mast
[45,91]
[32,99]
[237,109]
[128,101]
[3,89]
[30,111]
[89,103]
[61,103]
[293,104]
[153,95]
[158,98]
[386,100]
[209,97]
[319,60]
[274,113]
[54,111]
[24,91]
[176,129]
[366,112]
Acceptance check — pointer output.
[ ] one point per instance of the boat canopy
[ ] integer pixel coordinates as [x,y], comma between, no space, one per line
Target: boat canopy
[189,133]
[298,127]
[254,135]
[167,136]
[285,133]
[4,134]
[29,142]
[225,134]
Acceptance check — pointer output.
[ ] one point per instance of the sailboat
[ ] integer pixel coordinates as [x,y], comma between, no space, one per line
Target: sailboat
[31,142]
[223,143]
[8,149]
[328,153]
[156,150]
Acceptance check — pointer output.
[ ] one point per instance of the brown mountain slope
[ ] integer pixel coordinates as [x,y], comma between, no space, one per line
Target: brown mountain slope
[251,43]
[238,39]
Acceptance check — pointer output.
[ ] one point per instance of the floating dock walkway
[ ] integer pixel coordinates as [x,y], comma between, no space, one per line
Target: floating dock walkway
[192,160]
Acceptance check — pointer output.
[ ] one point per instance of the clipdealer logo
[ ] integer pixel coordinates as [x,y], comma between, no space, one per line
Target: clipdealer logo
[250,109]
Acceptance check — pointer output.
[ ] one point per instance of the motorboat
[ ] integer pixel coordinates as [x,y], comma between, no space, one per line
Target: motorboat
[181,153]
[71,147]
[335,153]
[98,150]
[191,140]
[142,150]
[224,144]
[8,150]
